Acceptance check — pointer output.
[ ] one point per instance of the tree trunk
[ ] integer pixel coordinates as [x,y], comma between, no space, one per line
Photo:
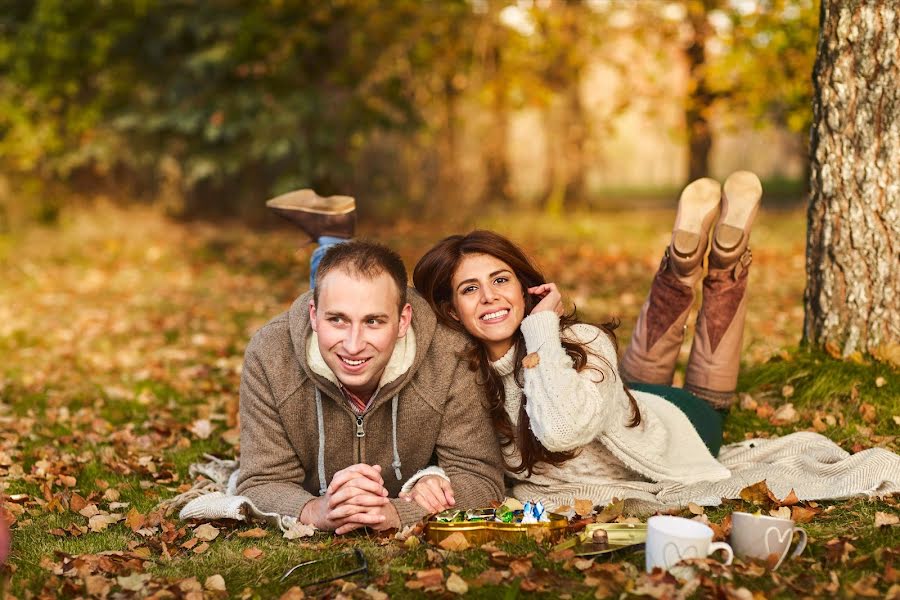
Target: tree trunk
[494,146]
[852,299]
[699,97]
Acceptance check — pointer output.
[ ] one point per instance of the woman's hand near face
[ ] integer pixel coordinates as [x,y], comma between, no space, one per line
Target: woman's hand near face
[432,493]
[551,299]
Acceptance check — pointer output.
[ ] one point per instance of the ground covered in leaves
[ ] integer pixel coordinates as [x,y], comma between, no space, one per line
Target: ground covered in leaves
[121,336]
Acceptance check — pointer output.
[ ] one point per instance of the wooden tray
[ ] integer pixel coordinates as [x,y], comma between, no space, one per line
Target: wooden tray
[481,532]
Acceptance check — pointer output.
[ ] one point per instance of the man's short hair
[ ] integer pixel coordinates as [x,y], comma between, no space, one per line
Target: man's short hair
[366,259]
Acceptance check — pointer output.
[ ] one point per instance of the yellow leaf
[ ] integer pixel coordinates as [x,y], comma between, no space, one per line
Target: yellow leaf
[456,542]
[584,507]
[457,584]
[256,532]
[531,360]
[206,533]
[695,509]
[252,553]
[885,519]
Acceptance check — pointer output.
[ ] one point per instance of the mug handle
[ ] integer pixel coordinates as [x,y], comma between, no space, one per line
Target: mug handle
[801,543]
[723,546]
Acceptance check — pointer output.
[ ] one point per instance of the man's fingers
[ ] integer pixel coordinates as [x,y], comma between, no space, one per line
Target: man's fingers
[352,496]
[354,471]
[358,514]
[355,487]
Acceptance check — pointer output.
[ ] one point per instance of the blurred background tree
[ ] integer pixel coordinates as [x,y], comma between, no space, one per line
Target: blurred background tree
[442,107]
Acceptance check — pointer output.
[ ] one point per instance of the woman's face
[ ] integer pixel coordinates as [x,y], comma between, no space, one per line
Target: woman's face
[488,301]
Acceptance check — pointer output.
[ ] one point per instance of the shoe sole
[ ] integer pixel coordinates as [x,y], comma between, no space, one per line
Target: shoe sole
[697,207]
[308,201]
[740,201]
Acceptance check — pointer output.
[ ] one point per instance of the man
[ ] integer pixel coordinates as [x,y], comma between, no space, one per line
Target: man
[354,390]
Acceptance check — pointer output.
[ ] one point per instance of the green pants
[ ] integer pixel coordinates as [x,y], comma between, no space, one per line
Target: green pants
[705,419]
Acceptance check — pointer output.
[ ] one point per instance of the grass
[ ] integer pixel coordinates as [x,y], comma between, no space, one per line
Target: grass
[119,330]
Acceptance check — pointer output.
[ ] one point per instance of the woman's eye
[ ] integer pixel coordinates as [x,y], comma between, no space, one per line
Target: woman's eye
[501,280]
[469,289]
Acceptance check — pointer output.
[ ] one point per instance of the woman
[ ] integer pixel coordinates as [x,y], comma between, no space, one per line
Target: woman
[569,426]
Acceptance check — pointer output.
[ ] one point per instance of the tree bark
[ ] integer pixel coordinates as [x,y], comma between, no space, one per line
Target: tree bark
[852,298]
[699,98]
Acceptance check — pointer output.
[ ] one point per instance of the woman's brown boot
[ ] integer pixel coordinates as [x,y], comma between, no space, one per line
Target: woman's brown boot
[317,215]
[653,350]
[715,358]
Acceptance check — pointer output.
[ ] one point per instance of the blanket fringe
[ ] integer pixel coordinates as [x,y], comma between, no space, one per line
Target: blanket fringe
[215,475]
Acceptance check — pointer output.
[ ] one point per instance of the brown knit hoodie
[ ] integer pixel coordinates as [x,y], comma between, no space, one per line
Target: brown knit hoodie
[439,412]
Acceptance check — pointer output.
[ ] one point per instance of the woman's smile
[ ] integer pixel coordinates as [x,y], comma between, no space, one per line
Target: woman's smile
[489,301]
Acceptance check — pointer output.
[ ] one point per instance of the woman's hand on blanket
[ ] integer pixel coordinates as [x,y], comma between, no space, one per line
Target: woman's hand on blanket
[432,493]
[551,299]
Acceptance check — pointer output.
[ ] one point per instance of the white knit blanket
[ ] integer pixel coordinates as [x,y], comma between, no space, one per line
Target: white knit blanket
[812,465]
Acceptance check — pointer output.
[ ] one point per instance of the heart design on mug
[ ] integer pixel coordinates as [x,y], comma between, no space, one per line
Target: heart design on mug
[780,535]
[673,555]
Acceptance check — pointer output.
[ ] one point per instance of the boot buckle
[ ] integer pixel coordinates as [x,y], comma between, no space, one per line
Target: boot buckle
[742,264]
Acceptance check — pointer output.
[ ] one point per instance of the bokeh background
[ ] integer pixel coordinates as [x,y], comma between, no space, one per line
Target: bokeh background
[441,108]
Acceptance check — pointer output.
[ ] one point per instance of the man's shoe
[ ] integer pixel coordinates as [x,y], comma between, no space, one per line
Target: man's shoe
[317,215]
[697,209]
[740,202]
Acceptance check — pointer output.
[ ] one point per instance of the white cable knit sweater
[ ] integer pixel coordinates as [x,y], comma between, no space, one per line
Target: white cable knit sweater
[589,411]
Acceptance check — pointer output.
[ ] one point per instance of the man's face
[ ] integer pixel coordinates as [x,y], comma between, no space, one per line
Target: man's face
[358,325]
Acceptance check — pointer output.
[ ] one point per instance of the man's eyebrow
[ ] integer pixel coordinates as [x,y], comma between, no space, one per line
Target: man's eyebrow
[474,280]
[334,313]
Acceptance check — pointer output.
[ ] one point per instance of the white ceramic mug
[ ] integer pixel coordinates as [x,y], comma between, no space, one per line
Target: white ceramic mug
[673,539]
[759,536]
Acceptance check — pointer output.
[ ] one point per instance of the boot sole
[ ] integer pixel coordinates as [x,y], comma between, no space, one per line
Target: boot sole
[740,201]
[308,201]
[697,208]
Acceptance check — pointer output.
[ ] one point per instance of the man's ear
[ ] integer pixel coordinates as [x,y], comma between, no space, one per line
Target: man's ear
[405,320]
[312,315]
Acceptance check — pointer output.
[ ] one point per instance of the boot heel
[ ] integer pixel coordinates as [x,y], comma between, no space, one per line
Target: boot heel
[697,209]
[740,201]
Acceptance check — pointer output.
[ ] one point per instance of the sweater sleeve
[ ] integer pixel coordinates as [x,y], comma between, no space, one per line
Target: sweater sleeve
[568,408]
[467,448]
[270,472]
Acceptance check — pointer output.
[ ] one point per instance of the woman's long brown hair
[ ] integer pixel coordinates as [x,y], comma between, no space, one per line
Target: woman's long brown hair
[432,277]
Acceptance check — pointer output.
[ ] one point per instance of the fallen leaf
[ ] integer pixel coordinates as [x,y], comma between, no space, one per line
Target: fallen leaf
[89,511]
[252,553]
[375,594]
[799,514]
[455,542]
[531,360]
[457,584]
[764,410]
[111,495]
[880,381]
[748,402]
[782,512]
[97,586]
[695,509]
[134,582]
[610,512]
[298,530]
[758,493]
[294,593]
[785,414]
[101,522]
[520,567]
[202,428]
[215,583]
[584,507]
[201,548]
[206,532]
[885,519]
[134,519]
[77,502]
[868,412]
[430,578]
[791,499]
[256,532]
